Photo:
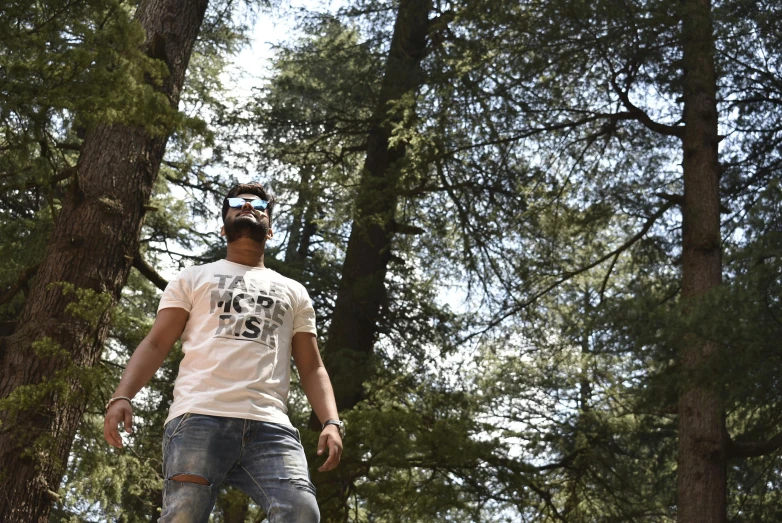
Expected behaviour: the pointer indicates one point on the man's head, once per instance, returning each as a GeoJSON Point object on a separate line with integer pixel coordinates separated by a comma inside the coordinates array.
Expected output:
{"type": "Point", "coordinates": [244, 219]}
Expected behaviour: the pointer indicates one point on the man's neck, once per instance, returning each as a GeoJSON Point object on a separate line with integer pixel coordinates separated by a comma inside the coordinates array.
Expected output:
{"type": "Point", "coordinates": [245, 251]}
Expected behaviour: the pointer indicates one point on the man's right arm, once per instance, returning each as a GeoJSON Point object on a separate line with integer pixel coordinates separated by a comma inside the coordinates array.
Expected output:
{"type": "Point", "coordinates": [145, 361]}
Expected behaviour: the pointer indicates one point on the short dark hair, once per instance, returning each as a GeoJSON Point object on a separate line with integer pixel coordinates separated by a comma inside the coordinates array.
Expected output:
{"type": "Point", "coordinates": [250, 188]}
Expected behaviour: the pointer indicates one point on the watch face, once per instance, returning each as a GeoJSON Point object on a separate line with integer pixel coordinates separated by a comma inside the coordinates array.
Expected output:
{"type": "Point", "coordinates": [340, 426]}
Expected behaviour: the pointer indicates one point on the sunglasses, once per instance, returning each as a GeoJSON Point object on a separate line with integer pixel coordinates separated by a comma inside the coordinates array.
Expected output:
{"type": "Point", "coordinates": [238, 203]}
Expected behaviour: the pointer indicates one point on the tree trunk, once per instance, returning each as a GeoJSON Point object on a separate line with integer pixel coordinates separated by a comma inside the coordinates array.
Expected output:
{"type": "Point", "coordinates": [233, 505]}
{"type": "Point", "coordinates": [702, 483]}
{"type": "Point", "coordinates": [351, 337]}
{"type": "Point", "coordinates": [43, 364]}
{"type": "Point", "coordinates": [303, 225]}
{"type": "Point", "coordinates": [361, 294]}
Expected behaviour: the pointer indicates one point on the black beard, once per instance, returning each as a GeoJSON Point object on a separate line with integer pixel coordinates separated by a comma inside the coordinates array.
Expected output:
{"type": "Point", "coordinates": [246, 228]}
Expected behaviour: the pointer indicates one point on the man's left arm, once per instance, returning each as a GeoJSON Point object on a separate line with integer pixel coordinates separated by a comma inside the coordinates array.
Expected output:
{"type": "Point", "coordinates": [317, 386]}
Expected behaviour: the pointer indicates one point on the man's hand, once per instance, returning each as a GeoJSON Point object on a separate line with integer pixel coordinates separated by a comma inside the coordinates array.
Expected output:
{"type": "Point", "coordinates": [330, 439]}
{"type": "Point", "coordinates": [119, 411]}
{"type": "Point", "coordinates": [145, 361]}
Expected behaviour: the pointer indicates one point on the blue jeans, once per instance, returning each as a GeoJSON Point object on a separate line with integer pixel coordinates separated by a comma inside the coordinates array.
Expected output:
{"type": "Point", "coordinates": [265, 460]}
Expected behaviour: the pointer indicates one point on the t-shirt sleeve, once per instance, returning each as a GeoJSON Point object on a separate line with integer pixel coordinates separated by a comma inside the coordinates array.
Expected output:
{"type": "Point", "coordinates": [178, 293]}
{"type": "Point", "coordinates": [304, 314]}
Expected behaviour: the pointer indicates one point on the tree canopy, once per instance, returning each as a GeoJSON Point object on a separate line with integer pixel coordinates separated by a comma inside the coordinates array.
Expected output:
{"type": "Point", "coordinates": [543, 241]}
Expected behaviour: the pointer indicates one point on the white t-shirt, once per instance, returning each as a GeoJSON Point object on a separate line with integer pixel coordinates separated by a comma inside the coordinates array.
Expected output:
{"type": "Point", "coordinates": [237, 340]}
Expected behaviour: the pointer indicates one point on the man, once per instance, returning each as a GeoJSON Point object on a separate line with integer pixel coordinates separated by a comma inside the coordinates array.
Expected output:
{"type": "Point", "coordinates": [239, 323]}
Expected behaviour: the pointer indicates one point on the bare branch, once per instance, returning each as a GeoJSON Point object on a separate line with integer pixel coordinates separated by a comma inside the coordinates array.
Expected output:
{"type": "Point", "coordinates": [676, 199]}
{"type": "Point", "coordinates": [206, 187]}
{"type": "Point", "coordinates": [201, 259]}
{"type": "Point", "coordinates": [148, 272]}
{"type": "Point", "coordinates": [608, 276]}
{"type": "Point", "coordinates": [754, 449]}
{"type": "Point", "coordinates": [641, 116]}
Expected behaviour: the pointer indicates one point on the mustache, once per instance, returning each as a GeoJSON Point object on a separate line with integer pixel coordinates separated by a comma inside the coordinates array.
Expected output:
{"type": "Point", "coordinates": [255, 230]}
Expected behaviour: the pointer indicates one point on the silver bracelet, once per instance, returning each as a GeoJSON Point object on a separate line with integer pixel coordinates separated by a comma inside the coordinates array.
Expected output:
{"type": "Point", "coordinates": [112, 400]}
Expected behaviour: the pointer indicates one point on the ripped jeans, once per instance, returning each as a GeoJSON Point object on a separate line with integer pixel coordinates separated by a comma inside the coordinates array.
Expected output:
{"type": "Point", "coordinates": [265, 460]}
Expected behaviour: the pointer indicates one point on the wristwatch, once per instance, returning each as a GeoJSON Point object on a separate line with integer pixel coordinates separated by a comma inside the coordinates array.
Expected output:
{"type": "Point", "coordinates": [340, 426]}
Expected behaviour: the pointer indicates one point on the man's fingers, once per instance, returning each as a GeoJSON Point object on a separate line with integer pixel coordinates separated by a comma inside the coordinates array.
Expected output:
{"type": "Point", "coordinates": [110, 432]}
{"type": "Point", "coordinates": [330, 463]}
{"type": "Point", "coordinates": [322, 444]}
{"type": "Point", "coordinates": [128, 421]}
{"type": "Point", "coordinates": [114, 428]}
{"type": "Point", "coordinates": [113, 418]}
{"type": "Point", "coordinates": [106, 435]}
{"type": "Point", "coordinates": [335, 453]}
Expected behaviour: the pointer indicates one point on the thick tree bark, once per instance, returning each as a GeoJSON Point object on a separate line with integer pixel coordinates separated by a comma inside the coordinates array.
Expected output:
{"type": "Point", "coordinates": [92, 247]}
{"type": "Point", "coordinates": [361, 294]}
{"type": "Point", "coordinates": [702, 483]}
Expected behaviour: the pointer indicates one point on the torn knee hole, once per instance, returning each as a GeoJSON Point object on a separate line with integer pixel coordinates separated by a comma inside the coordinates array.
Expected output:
{"type": "Point", "coordinates": [190, 478]}
{"type": "Point", "coordinates": [302, 484]}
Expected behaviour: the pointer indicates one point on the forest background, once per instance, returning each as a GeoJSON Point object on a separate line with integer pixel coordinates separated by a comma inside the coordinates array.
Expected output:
{"type": "Point", "coordinates": [543, 240]}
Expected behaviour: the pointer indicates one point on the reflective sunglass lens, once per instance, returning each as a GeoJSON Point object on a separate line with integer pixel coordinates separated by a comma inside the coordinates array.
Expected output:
{"type": "Point", "coordinates": [237, 203]}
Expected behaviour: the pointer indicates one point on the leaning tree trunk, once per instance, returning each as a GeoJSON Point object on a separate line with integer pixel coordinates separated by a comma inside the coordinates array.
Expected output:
{"type": "Point", "coordinates": [362, 286]}
{"type": "Point", "coordinates": [60, 334]}
{"type": "Point", "coordinates": [350, 344]}
{"type": "Point", "coordinates": [702, 483]}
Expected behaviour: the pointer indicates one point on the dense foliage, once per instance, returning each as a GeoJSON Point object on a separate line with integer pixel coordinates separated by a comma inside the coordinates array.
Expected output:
{"type": "Point", "coordinates": [525, 364]}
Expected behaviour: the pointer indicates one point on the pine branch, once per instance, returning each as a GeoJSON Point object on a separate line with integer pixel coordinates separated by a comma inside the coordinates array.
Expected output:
{"type": "Point", "coordinates": [362, 147]}
{"type": "Point", "coordinates": [754, 449]}
{"type": "Point", "coordinates": [205, 187]}
{"type": "Point", "coordinates": [565, 276]}
{"type": "Point", "coordinates": [62, 175]}
{"type": "Point", "coordinates": [534, 131]}
{"type": "Point", "coordinates": [7, 328]}
{"type": "Point", "coordinates": [149, 273]}
{"type": "Point", "coordinates": [520, 470]}
{"type": "Point", "coordinates": [11, 174]}
{"type": "Point", "coordinates": [608, 276]}
{"type": "Point", "coordinates": [401, 228]}
{"type": "Point", "coordinates": [171, 254]}
{"type": "Point", "coordinates": [24, 277]}
{"type": "Point", "coordinates": [641, 116]}
{"type": "Point", "coordinates": [68, 146]}
{"type": "Point", "coordinates": [563, 463]}
{"type": "Point", "coordinates": [678, 199]}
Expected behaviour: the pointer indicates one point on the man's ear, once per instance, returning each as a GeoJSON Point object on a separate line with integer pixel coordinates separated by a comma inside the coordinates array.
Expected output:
{"type": "Point", "coordinates": [269, 234]}
{"type": "Point", "coordinates": [222, 230]}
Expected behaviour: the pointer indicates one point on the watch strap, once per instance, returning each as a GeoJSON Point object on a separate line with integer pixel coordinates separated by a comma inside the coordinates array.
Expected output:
{"type": "Point", "coordinates": [339, 424]}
